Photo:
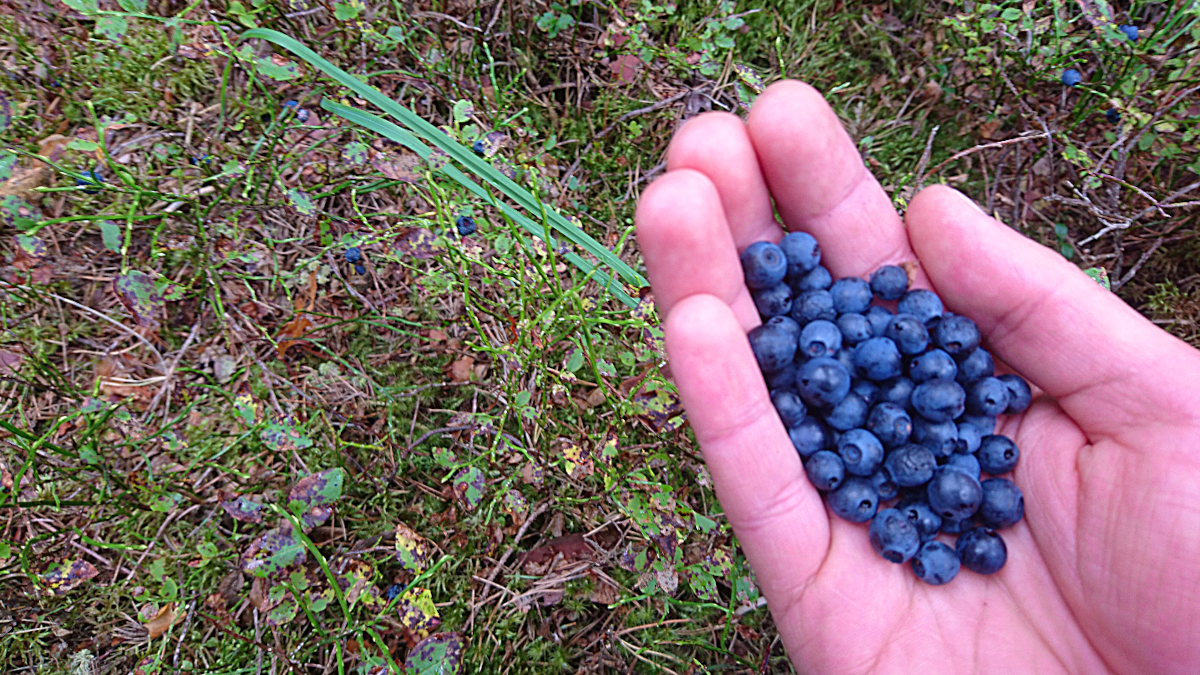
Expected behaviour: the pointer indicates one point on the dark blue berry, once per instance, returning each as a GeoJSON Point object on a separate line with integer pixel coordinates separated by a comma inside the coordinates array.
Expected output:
{"type": "Point", "coordinates": [966, 462]}
{"type": "Point", "coordinates": [813, 305]}
{"type": "Point", "coordinates": [1071, 77]}
{"type": "Point", "coordinates": [773, 345]}
{"type": "Point", "coordinates": [940, 437]}
{"type": "Point", "coordinates": [479, 148]}
{"type": "Point", "coordinates": [825, 470]}
{"type": "Point", "coordinates": [816, 279]}
{"type": "Point", "coordinates": [898, 391]}
{"type": "Point", "coordinates": [92, 179]}
{"type": "Point", "coordinates": [789, 406]}
{"type": "Point", "coordinates": [934, 364]}
{"type": "Point", "coordinates": [998, 454]}
{"type": "Point", "coordinates": [394, 591]}
{"type": "Point", "coordinates": [924, 518]}
{"type": "Point", "coordinates": [976, 366]}
{"type": "Point", "coordinates": [981, 550]}
{"type": "Point", "coordinates": [763, 264]}
{"type": "Point", "coordinates": [957, 526]}
{"type": "Point", "coordinates": [1130, 32]}
{"type": "Point", "coordinates": [1019, 394]}
{"type": "Point", "coordinates": [360, 269]}
{"type": "Point", "coordinates": [954, 494]}
{"type": "Point", "coordinates": [1002, 506]}
{"type": "Point", "coordinates": [855, 501]}
{"type": "Point", "coordinates": [988, 396]}
{"type": "Point", "coordinates": [866, 390]}
{"type": "Point", "coordinates": [850, 294]}
{"type": "Point", "coordinates": [923, 304]}
{"type": "Point", "coordinates": [466, 225]}
{"type": "Point", "coordinates": [773, 301]}
{"type": "Point", "coordinates": [893, 536]}
{"type": "Point", "coordinates": [845, 356]}
{"type": "Point", "coordinates": [854, 327]}
{"type": "Point", "coordinates": [809, 436]}
{"type": "Point", "coordinates": [890, 423]}
{"type": "Point", "coordinates": [822, 382]}
{"type": "Point", "coordinates": [909, 334]}
{"type": "Point", "coordinates": [783, 379]}
{"type": "Point", "coordinates": [935, 563]}
{"type": "Point", "coordinates": [786, 324]}
{"type": "Point", "coordinates": [353, 255]}
{"type": "Point", "coordinates": [884, 485]}
{"type": "Point", "coordinates": [986, 424]}
{"type": "Point", "coordinates": [802, 251]}
{"type": "Point", "coordinates": [877, 359]}
{"type": "Point", "coordinates": [939, 400]}
{"type": "Point", "coordinates": [820, 338]}
{"type": "Point", "coordinates": [957, 335]}
{"type": "Point", "coordinates": [1113, 116]}
{"type": "Point", "coordinates": [969, 437]}
{"type": "Point", "coordinates": [849, 413]}
{"type": "Point", "coordinates": [889, 282]}
{"type": "Point", "coordinates": [910, 465]}
{"type": "Point", "coordinates": [860, 451]}
{"type": "Point", "coordinates": [879, 318]}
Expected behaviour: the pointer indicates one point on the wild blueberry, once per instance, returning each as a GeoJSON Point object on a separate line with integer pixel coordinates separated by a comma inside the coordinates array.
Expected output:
{"type": "Point", "coordinates": [923, 304]}
{"type": "Point", "coordinates": [1002, 505]}
{"type": "Point", "coordinates": [909, 334]}
{"type": "Point", "coordinates": [822, 382]}
{"type": "Point", "coordinates": [360, 269]}
{"type": "Point", "coordinates": [957, 526]}
{"type": "Point", "coordinates": [353, 255]}
{"type": "Point", "coordinates": [877, 359]}
{"type": "Point", "coordinates": [910, 465]}
{"type": "Point", "coordinates": [813, 305]}
{"type": "Point", "coordinates": [1113, 116]}
{"type": "Point", "coordinates": [802, 251]}
{"type": "Point", "coordinates": [773, 301]}
{"type": "Point", "coordinates": [893, 536]}
{"type": "Point", "coordinates": [789, 406]}
{"type": "Point", "coordinates": [981, 550]}
{"type": "Point", "coordinates": [478, 148]}
{"type": "Point", "coordinates": [940, 437]}
{"type": "Point", "coordinates": [924, 518]}
{"type": "Point", "coordinates": [889, 282]}
{"type": "Point", "coordinates": [890, 424]}
{"type": "Point", "coordinates": [1130, 32]}
{"type": "Point", "coordinates": [957, 334]}
{"type": "Point", "coordinates": [884, 485]}
{"type": "Point", "coordinates": [465, 225]}
{"type": "Point", "coordinates": [1071, 77]}
{"type": "Point", "coordinates": [850, 294]}
{"type": "Point", "coordinates": [394, 591]}
{"type": "Point", "coordinates": [867, 390]}
{"type": "Point", "coordinates": [954, 493]}
{"type": "Point", "coordinates": [969, 437]}
{"type": "Point", "coordinates": [998, 454]}
{"type": "Point", "coordinates": [825, 470]}
{"type": "Point", "coordinates": [855, 501]}
{"type": "Point", "coordinates": [92, 179]}
{"type": "Point", "coordinates": [816, 279]}
{"type": "Point", "coordinates": [879, 318]}
{"type": "Point", "coordinates": [935, 563]}
{"type": "Point", "coordinates": [820, 338]}
{"type": "Point", "coordinates": [860, 451]}
{"type": "Point", "coordinates": [966, 462]}
{"type": "Point", "coordinates": [808, 437]}
{"type": "Point", "coordinates": [1019, 394]}
{"type": "Point", "coordinates": [845, 356]}
{"type": "Point", "coordinates": [934, 364]}
{"type": "Point", "coordinates": [854, 327]}
{"type": "Point", "coordinates": [773, 345]}
{"type": "Point", "coordinates": [783, 379]}
{"type": "Point", "coordinates": [849, 413]}
{"type": "Point", "coordinates": [897, 390]}
{"type": "Point", "coordinates": [988, 396]}
{"type": "Point", "coordinates": [763, 264]}
{"type": "Point", "coordinates": [986, 424]}
{"type": "Point", "coordinates": [976, 366]}
{"type": "Point", "coordinates": [785, 323]}
{"type": "Point", "coordinates": [939, 400]}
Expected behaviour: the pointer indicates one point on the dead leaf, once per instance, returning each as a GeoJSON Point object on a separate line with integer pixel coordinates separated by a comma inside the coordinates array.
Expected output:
{"type": "Point", "coordinates": [402, 166]}
{"type": "Point", "coordinates": [167, 616]}
{"type": "Point", "coordinates": [603, 593]}
{"type": "Point", "coordinates": [990, 129]}
{"type": "Point", "coordinates": [572, 548]}
{"type": "Point", "coordinates": [625, 68]}
{"type": "Point", "coordinates": [461, 369]}
{"type": "Point", "coordinates": [10, 362]}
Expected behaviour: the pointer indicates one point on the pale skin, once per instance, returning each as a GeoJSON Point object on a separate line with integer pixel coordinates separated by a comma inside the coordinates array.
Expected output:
{"type": "Point", "coordinates": [1103, 574]}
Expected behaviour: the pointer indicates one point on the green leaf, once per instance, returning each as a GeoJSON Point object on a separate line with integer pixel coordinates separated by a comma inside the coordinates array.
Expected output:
{"type": "Point", "coordinates": [704, 586]}
{"type": "Point", "coordinates": [1011, 14]}
{"type": "Point", "coordinates": [112, 27]}
{"type": "Point", "coordinates": [6, 116]}
{"type": "Point", "coordinates": [301, 202]}
{"type": "Point", "coordinates": [83, 146]}
{"type": "Point", "coordinates": [84, 6]}
{"type": "Point", "coordinates": [5, 550]}
{"type": "Point", "coordinates": [110, 233]}
{"type": "Point", "coordinates": [273, 552]}
{"type": "Point", "coordinates": [1100, 276]}
{"type": "Point", "coordinates": [17, 213]}
{"type": "Point", "coordinates": [575, 362]}
{"type": "Point", "coordinates": [468, 486]}
{"type": "Point", "coordinates": [137, 291]}
{"type": "Point", "coordinates": [439, 654]}
{"type": "Point", "coordinates": [132, 5]}
{"type": "Point", "coordinates": [277, 68]}
{"type": "Point", "coordinates": [463, 111]}
{"type": "Point", "coordinates": [285, 438]}
{"type": "Point", "coordinates": [8, 160]}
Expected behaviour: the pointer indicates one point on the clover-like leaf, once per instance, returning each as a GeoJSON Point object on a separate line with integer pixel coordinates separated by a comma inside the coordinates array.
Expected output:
{"type": "Point", "coordinates": [417, 612]}
{"type": "Point", "coordinates": [138, 293]}
{"type": "Point", "coordinates": [440, 654]}
{"type": "Point", "coordinates": [283, 437]}
{"type": "Point", "coordinates": [418, 242]}
{"type": "Point", "coordinates": [356, 153]}
{"type": "Point", "coordinates": [64, 577]}
{"type": "Point", "coordinates": [300, 201]}
{"type": "Point", "coordinates": [469, 485]}
{"type": "Point", "coordinates": [243, 509]}
{"type": "Point", "coordinates": [17, 213]}
{"type": "Point", "coordinates": [273, 552]}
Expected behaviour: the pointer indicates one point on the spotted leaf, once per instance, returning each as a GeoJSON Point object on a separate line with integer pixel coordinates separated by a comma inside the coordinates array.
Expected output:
{"type": "Point", "coordinates": [67, 576]}
{"type": "Point", "coordinates": [463, 109]}
{"type": "Point", "coordinates": [243, 509]}
{"type": "Point", "coordinates": [300, 201]}
{"type": "Point", "coordinates": [6, 112]}
{"type": "Point", "coordinates": [576, 460]}
{"type": "Point", "coordinates": [17, 213]}
{"type": "Point", "coordinates": [30, 247]}
{"type": "Point", "coordinates": [417, 612]}
{"type": "Point", "coordinates": [703, 585]}
{"type": "Point", "coordinates": [283, 437]}
{"type": "Point", "coordinates": [112, 27]}
{"type": "Point", "coordinates": [610, 447]}
{"type": "Point", "coordinates": [277, 67]}
{"type": "Point", "coordinates": [490, 144]}
{"type": "Point", "coordinates": [412, 550]}
{"type": "Point", "coordinates": [284, 611]}
{"type": "Point", "coordinates": [318, 489]}
{"type": "Point", "coordinates": [137, 291]}
{"type": "Point", "coordinates": [8, 160]}
{"type": "Point", "coordinates": [752, 79]}
{"type": "Point", "coordinates": [356, 153]}
{"type": "Point", "coordinates": [437, 159]}
{"type": "Point", "coordinates": [645, 306]}
{"type": "Point", "coordinates": [469, 486]}
{"type": "Point", "coordinates": [353, 576]}
{"type": "Point", "coordinates": [246, 405]}
{"type": "Point", "coordinates": [1100, 276]}
{"type": "Point", "coordinates": [657, 406]}
{"type": "Point", "coordinates": [418, 242]}
{"type": "Point", "coordinates": [717, 563]}
{"type": "Point", "coordinates": [273, 552]}
{"type": "Point", "coordinates": [516, 505]}
{"type": "Point", "coordinates": [440, 654]}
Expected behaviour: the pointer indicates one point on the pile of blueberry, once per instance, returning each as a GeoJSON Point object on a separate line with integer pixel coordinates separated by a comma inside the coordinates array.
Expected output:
{"type": "Point", "coordinates": [888, 406]}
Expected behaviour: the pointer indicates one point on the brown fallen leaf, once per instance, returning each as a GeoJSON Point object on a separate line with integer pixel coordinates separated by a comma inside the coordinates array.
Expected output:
{"type": "Point", "coordinates": [167, 616]}
{"type": "Point", "coordinates": [461, 369]}
{"type": "Point", "coordinates": [625, 68]}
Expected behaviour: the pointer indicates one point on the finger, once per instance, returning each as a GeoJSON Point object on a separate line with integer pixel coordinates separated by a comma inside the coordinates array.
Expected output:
{"type": "Point", "coordinates": [777, 515]}
{"type": "Point", "coordinates": [1110, 368]}
{"type": "Point", "coordinates": [717, 145]}
{"type": "Point", "coordinates": [820, 184]}
{"type": "Point", "coordinates": [688, 247]}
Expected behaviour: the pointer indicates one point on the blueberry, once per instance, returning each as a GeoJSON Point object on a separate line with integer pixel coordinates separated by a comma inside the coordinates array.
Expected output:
{"type": "Point", "coordinates": [816, 279]}
{"type": "Point", "coordinates": [808, 437]}
{"type": "Point", "coordinates": [909, 334]}
{"type": "Point", "coordinates": [394, 591]}
{"type": "Point", "coordinates": [935, 563]}
{"type": "Point", "coordinates": [1002, 506]}
{"type": "Point", "coordinates": [763, 264]}
{"type": "Point", "coordinates": [353, 255]}
{"type": "Point", "coordinates": [360, 269]}
{"type": "Point", "coordinates": [893, 536]}
{"type": "Point", "coordinates": [897, 390]}
{"type": "Point", "coordinates": [924, 518]}
{"type": "Point", "coordinates": [773, 301]}
{"type": "Point", "coordinates": [1019, 395]}
{"type": "Point", "coordinates": [889, 282]}
{"type": "Point", "coordinates": [815, 305]}
{"type": "Point", "coordinates": [969, 437]}
{"type": "Point", "coordinates": [478, 148]}
{"type": "Point", "coordinates": [1071, 77]}
{"type": "Point", "coordinates": [877, 359]}
{"type": "Point", "coordinates": [773, 345]}
{"type": "Point", "coordinates": [845, 356]}
{"type": "Point", "coordinates": [822, 382]}
{"type": "Point", "coordinates": [939, 400]}
{"type": "Point", "coordinates": [789, 406]}
{"type": "Point", "coordinates": [849, 413]}
{"type": "Point", "coordinates": [802, 251]}
{"type": "Point", "coordinates": [976, 366]}
{"type": "Point", "coordinates": [783, 379]}
{"type": "Point", "coordinates": [890, 424]}
{"type": "Point", "coordinates": [923, 304]}
{"type": "Point", "coordinates": [998, 454]}
{"type": "Point", "coordinates": [981, 550]}
{"type": "Point", "coordinates": [465, 225]}
{"type": "Point", "coordinates": [860, 451]}
{"type": "Point", "coordinates": [965, 462]}
{"type": "Point", "coordinates": [879, 318]}
{"type": "Point", "coordinates": [954, 493]}
{"type": "Point", "coordinates": [92, 179]}
{"type": "Point", "coordinates": [940, 437]}
{"type": "Point", "coordinates": [1130, 32]}
{"type": "Point", "coordinates": [825, 470]}
{"type": "Point", "coordinates": [855, 328]}
{"type": "Point", "coordinates": [850, 294]}
{"type": "Point", "coordinates": [867, 390]}
{"type": "Point", "coordinates": [855, 501]}
{"type": "Point", "coordinates": [988, 396]}
{"type": "Point", "coordinates": [986, 424]}
{"type": "Point", "coordinates": [884, 485]}
{"type": "Point", "coordinates": [957, 526]}
{"type": "Point", "coordinates": [820, 338]}
{"type": "Point", "coordinates": [785, 323]}
{"type": "Point", "coordinates": [910, 465]}
{"type": "Point", "coordinates": [1113, 116]}
{"type": "Point", "coordinates": [934, 364]}
{"type": "Point", "coordinates": [957, 335]}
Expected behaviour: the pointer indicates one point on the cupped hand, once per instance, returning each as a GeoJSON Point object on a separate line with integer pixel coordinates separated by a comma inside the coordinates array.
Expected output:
{"type": "Point", "coordinates": [1103, 574]}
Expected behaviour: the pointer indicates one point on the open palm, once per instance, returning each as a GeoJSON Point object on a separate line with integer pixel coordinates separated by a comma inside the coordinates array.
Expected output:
{"type": "Point", "coordinates": [1104, 572]}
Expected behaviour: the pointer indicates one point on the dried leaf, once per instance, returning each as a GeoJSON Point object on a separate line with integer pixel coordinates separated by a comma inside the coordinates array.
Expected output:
{"type": "Point", "coordinates": [353, 576]}
{"type": "Point", "coordinates": [576, 460]}
{"type": "Point", "coordinates": [318, 489]}
{"type": "Point", "coordinates": [668, 579]}
{"type": "Point", "coordinates": [30, 251]}
{"type": "Point", "coordinates": [625, 68]}
{"type": "Point", "coordinates": [10, 362]}
{"type": "Point", "coordinates": [140, 296]}
{"type": "Point", "coordinates": [439, 654]}
{"type": "Point", "coordinates": [67, 576]}
{"type": "Point", "coordinates": [243, 510]}
{"type": "Point", "coordinates": [532, 473]}
{"type": "Point", "coordinates": [273, 552]}
{"type": "Point", "coordinates": [603, 593]}
{"type": "Point", "coordinates": [461, 369]}
{"type": "Point", "coordinates": [167, 616]}
{"type": "Point", "coordinates": [417, 612]}
{"type": "Point", "coordinates": [418, 242]}
{"type": "Point", "coordinates": [403, 166]}
{"type": "Point", "coordinates": [412, 550]}
{"type": "Point", "coordinates": [291, 334]}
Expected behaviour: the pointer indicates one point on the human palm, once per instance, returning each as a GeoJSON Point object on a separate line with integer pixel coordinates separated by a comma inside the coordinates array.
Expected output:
{"type": "Point", "coordinates": [1103, 575]}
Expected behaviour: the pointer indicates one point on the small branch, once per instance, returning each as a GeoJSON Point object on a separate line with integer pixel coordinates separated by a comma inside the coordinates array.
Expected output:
{"type": "Point", "coordinates": [920, 182]}
{"type": "Point", "coordinates": [986, 146]}
{"type": "Point", "coordinates": [1138, 265]}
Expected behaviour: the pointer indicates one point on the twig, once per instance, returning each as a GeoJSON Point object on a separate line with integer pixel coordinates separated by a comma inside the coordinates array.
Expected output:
{"type": "Point", "coordinates": [986, 146]}
{"type": "Point", "coordinates": [920, 182]}
{"type": "Point", "coordinates": [421, 439]}
{"type": "Point", "coordinates": [171, 371]}
{"type": "Point", "coordinates": [187, 624]}
{"type": "Point", "coordinates": [1138, 265]}
{"type": "Point", "coordinates": [504, 558]}
{"type": "Point", "coordinates": [446, 17]}
{"type": "Point", "coordinates": [629, 115]}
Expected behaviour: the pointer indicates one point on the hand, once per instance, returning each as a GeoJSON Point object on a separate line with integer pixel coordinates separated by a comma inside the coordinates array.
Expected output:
{"type": "Point", "coordinates": [1104, 572]}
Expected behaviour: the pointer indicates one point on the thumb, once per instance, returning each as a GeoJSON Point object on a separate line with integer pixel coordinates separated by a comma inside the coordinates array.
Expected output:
{"type": "Point", "coordinates": [1109, 367]}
